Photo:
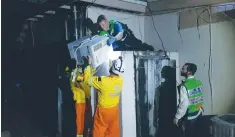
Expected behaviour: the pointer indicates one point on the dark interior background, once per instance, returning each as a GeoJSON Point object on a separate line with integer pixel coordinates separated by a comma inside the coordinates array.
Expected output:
{"type": "Point", "coordinates": [31, 70]}
{"type": "Point", "coordinates": [35, 65]}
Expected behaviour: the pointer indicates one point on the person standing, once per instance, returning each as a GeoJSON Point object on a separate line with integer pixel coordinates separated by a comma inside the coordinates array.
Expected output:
{"type": "Point", "coordinates": [68, 105]}
{"type": "Point", "coordinates": [88, 113]}
{"type": "Point", "coordinates": [190, 101]}
{"type": "Point", "coordinates": [106, 118]}
{"type": "Point", "coordinates": [79, 98]}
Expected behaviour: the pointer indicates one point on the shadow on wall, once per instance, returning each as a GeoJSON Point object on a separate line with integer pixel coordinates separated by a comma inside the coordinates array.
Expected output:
{"type": "Point", "coordinates": [167, 104]}
{"type": "Point", "coordinates": [128, 42]}
{"type": "Point", "coordinates": [232, 108]}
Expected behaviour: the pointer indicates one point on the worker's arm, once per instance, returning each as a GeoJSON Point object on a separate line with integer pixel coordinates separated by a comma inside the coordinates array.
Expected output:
{"type": "Point", "coordinates": [183, 104]}
{"type": "Point", "coordinates": [118, 28]}
{"type": "Point", "coordinates": [119, 36]}
{"type": "Point", "coordinates": [91, 80]}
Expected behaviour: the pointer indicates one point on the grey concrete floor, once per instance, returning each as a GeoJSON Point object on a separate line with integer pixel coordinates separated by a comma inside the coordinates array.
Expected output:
{"type": "Point", "coordinates": [18, 122]}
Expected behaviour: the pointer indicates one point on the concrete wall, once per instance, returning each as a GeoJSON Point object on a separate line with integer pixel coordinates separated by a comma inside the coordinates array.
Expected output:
{"type": "Point", "coordinates": [223, 67]}
{"type": "Point", "coordinates": [128, 5]}
{"type": "Point", "coordinates": [193, 49]}
{"type": "Point", "coordinates": [166, 5]}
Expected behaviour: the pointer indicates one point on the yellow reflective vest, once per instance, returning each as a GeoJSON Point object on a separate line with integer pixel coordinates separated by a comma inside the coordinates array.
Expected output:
{"type": "Point", "coordinates": [109, 87]}
{"type": "Point", "coordinates": [78, 93]}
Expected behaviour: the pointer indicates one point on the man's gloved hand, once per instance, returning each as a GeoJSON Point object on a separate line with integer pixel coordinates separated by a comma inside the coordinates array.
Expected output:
{"type": "Point", "coordinates": [175, 121]}
{"type": "Point", "coordinates": [111, 40]}
{"type": "Point", "coordinates": [79, 78]}
{"type": "Point", "coordinates": [86, 60]}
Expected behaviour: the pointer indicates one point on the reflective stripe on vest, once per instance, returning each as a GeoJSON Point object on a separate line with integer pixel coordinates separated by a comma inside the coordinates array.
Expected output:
{"type": "Point", "coordinates": [195, 96]}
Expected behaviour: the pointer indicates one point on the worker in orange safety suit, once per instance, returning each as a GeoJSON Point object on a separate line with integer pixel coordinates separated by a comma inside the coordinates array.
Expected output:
{"type": "Point", "coordinates": [106, 118]}
{"type": "Point", "coordinates": [88, 115]}
{"type": "Point", "coordinates": [79, 98]}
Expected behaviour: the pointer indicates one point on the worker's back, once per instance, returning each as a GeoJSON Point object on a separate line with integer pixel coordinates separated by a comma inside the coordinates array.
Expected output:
{"type": "Point", "coordinates": [110, 91]}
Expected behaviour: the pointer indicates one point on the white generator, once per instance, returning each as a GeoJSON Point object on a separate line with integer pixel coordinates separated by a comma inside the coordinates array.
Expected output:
{"type": "Point", "coordinates": [95, 47]}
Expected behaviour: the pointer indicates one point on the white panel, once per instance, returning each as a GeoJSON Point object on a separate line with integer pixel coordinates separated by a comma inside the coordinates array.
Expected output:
{"type": "Point", "coordinates": [128, 98]}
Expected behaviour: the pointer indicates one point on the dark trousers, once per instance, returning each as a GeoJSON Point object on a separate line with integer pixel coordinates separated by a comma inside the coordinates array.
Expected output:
{"type": "Point", "coordinates": [131, 43]}
{"type": "Point", "coordinates": [88, 118]}
{"type": "Point", "coordinates": [167, 129]}
{"type": "Point", "coordinates": [68, 109]}
{"type": "Point", "coordinates": [192, 127]}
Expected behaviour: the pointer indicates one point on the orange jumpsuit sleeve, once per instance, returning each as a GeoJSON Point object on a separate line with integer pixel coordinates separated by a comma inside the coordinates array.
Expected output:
{"type": "Point", "coordinates": [93, 81]}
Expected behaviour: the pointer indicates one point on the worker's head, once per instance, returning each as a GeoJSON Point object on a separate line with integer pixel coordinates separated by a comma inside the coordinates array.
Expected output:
{"type": "Point", "coordinates": [167, 72]}
{"type": "Point", "coordinates": [117, 67]}
{"type": "Point", "coordinates": [189, 69]}
{"type": "Point", "coordinates": [103, 22]}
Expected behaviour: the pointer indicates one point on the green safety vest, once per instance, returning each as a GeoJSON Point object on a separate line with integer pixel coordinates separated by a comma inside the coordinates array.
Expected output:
{"type": "Point", "coordinates": [195, 96]}
{"type": "Point", "coordinates": [111, 29]}
{"type": "Point", "coordinates": [104, 33]}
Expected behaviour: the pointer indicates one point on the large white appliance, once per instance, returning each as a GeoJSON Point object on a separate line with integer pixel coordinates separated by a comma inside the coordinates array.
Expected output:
{"type": "Point", "coordinates": [101, 55]}
{"type": "Point", "coordinates": [95, 47]}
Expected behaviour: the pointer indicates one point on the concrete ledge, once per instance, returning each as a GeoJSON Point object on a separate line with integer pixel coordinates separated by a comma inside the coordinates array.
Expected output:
{"type": "Point", "coordinates": [123, 5]}
{"type": "Point", "coordinates": [168, 5]}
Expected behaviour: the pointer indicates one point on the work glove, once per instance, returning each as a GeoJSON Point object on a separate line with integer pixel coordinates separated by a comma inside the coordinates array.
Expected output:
{"type": "Point", "coordinates": [111, 40]}
{"type": "Point", "coordinates": [86, 60]}
{"type": "Point", "coordinates": [79, 69]}
{"type": "Point", "coordinates": [175, 121]}
{"type": "Point", "coordinates": [79, 78]}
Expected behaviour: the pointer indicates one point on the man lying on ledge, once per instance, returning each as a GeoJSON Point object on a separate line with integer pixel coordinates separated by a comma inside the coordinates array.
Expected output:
{"type": "Point", "coordinates": [120, 36]}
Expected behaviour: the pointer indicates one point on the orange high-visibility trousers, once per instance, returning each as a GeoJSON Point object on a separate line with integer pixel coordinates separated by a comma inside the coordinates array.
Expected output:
{"type": "Point", "coordinates": [80, 117]}
{"type": "Point", "coordinates": [106, 122]}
